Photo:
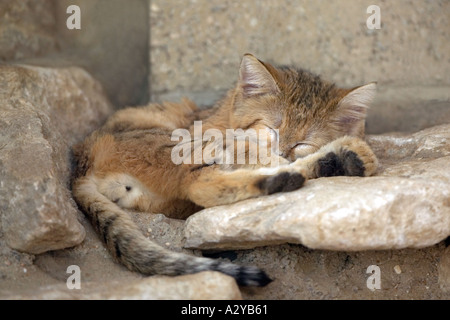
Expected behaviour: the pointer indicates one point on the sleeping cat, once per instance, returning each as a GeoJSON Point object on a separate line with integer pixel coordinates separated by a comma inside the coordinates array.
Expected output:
{"type": "Point", "coordinates": [127, 164]}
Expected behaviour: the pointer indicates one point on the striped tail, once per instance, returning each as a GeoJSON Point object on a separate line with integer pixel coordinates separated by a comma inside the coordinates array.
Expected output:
{"type": "Point", "coordinates": [130, 247]}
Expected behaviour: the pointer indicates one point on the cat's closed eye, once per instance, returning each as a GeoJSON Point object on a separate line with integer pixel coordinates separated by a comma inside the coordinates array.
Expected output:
{"type": "Point", "coordinates": [303, 149]}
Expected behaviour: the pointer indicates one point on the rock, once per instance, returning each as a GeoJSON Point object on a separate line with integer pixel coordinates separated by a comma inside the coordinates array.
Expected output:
{"type": "Point", "coordinates": [43, 112]}
{"type": "Point", "coordinates": [407, 204]}
{"type": "Point", "coordinates": [201, 286]}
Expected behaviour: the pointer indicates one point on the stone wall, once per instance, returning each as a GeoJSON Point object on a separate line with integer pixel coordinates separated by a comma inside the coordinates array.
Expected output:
{"type": "Point", "coordinates": [112, 43]}
{"type": "Point", "coordinates": [27, 29]}
{"type": "Point", "coordinates": [196, 47]}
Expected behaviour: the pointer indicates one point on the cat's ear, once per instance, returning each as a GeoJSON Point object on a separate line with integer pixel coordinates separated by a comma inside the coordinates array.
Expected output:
{"type": "Point", "coordinates": [256, 78]}
{"type": "Point", "coordinates": [351, 112]}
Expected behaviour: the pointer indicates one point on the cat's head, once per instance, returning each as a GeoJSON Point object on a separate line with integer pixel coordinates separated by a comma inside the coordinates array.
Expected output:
{"type": "Point", "coordinates": [307, 111]}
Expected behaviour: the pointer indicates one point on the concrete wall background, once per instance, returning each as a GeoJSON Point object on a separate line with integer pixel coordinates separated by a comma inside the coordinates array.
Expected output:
{"type": "Point", "coordinates": [112, 44]}
{"type": "Point", "coordinates": [196, 47]}
{"type": "Point", "coordinates": [27, 29]}
{"type": "Point", "coordinates": [205, 39]}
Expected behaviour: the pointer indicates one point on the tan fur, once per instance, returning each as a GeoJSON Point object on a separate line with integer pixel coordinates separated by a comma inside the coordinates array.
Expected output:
{"type": "Point", "coordinates": [127, 163]}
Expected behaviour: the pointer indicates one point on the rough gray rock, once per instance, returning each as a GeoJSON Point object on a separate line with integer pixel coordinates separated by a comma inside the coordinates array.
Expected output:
{"type": "Point", "coordinates": [43, 112]}
{"type": "Point", "coordinates": [200, 286]}
{"type": "Point", "coordinates": [405, 205]}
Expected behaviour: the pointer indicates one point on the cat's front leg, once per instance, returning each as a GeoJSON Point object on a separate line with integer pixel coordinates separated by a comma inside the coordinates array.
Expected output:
{"type": "Point", "coordinates": [346, 156]}
{"type": "Point", "coordinates": [214, 186]}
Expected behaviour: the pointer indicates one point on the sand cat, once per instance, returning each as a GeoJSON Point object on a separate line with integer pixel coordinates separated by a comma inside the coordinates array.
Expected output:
{"type": "Point", "coordinates": [129, 162]}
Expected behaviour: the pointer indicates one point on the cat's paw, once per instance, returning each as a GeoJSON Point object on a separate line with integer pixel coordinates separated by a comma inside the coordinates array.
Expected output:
{"type": "Point", "coordinates": [346, 163]}
{"type": "Point", "coordinates": [347, 156]}
{"type": "Point", "coordinates": [281, 182]}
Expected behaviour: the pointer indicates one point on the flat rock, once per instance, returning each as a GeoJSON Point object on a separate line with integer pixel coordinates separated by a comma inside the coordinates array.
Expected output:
{"type": "Point", "coordinates": [406, 204]}
{"type": "Point", "coordinates": [200, 286]}
{"type": "Point", "coordinates": [43, 112]}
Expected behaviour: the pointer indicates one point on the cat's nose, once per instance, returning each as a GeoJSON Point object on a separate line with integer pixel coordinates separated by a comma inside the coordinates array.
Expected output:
{"type": "Point", "coordinates": [282, 153]}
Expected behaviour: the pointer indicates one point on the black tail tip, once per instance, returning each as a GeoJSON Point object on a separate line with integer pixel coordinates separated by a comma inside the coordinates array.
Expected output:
{"type": "Point", "coordinates": [252, 276]}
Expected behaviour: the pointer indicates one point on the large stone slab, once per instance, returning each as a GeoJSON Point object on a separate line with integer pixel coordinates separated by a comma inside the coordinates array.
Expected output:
{"type": "Point", "coordinates": [200, 286]}
{"type": "Point", "coordinates": [43, 112]}
{"type": "Point", "coordinates": [407, 204]}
